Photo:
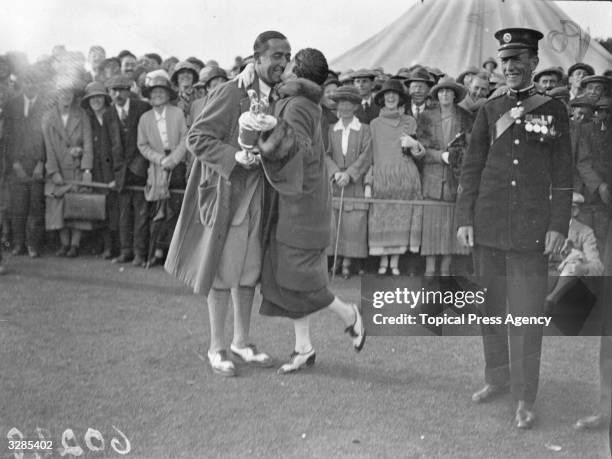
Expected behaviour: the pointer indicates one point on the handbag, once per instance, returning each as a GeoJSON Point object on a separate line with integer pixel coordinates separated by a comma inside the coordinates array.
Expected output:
{"type": "Point", "coordinates": [84, 206]}
{"type": "Point", "coordinates": [572, 310]}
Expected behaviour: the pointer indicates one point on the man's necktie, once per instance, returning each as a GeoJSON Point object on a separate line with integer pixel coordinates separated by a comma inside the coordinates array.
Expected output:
{"type": "Point", "coordinates": [123, 115]}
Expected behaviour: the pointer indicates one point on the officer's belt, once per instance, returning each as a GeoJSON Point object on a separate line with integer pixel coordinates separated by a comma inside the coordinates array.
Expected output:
{"type": "Point", "coordinates": [507, 120]}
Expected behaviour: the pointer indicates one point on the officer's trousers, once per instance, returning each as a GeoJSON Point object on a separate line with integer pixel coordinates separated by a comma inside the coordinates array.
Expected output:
{"type": "Point", "coordinates": [516, 284]}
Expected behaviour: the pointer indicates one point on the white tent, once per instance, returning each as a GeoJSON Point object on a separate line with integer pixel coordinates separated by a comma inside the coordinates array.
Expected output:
{"type": "Point", "coordinates": [454, 34]}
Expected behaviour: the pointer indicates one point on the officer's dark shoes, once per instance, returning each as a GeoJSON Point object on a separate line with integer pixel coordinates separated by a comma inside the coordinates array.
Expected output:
{"type": "Point", "coordinates": [525, 417]}
{"type": "Point", "coordinates": [489, 392]}
{"type": "Point", "coordinates": [593, 422]}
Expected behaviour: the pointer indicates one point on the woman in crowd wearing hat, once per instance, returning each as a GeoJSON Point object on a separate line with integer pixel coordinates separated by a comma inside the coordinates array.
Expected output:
{"type": "Point", "coordinates": [185, 75]}
{"type": "Point", "coordinates": [161, 140]}
{"type": "Point", "coordinates": [393, 228]}
{"type": "Point", "coordinates": [95, 102]}
{"type": "Point", "coordinates": [349, 157]}
{"type": "Point", "coordinates": [69, 157]}
{"type": "Point", "coordinates": [444, 132]}
{"type": "Point", "coordinates": [210, 78]}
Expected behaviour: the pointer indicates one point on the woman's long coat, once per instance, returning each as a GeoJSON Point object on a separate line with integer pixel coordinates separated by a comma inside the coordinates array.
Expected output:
{"type": "Point", "coordinates": [58, 141]}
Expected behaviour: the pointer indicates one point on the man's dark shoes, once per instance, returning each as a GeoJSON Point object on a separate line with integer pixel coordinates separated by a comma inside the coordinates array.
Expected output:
{"type": "Point", "coordinates": [525, 417]}
{"type": "Point", "coordinates": [62, 251]}
{"type": "Point", "coordinates": [33, 253]}
{"type": "Point", "coordinates": [489, 392]}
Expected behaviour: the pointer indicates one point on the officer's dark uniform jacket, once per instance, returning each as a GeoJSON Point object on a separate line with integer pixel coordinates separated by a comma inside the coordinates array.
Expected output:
{"type": "Point", "coordinates": [515, 188]}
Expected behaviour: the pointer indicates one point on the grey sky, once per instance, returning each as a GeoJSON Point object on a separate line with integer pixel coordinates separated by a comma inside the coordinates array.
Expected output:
{"type": "Point", "coordinates": [216, 29]}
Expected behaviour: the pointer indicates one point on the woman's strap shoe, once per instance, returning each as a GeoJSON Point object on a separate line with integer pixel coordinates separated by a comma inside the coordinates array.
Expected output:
{"type": "Point", "coordinates": [250, 354]}
{"type": "Point", "coordinates": [357, 330]}
{"type": "Point", "coordinates": [297, 361]}
{"type": "Point", "coordinates": [220, 364]}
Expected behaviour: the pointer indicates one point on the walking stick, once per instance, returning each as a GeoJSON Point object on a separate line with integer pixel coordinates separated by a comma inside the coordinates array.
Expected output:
{"type": "Point", "coordinates": [338, 233]}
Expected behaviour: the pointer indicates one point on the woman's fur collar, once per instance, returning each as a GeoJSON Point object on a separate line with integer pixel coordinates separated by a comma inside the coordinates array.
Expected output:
{"type": "Point", "coordinates": [301, 87]}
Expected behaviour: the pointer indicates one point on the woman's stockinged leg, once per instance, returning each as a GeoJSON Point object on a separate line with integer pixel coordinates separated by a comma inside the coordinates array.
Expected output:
{"type": "Point", "coordinates": [352, 319]}
{"type": "Point", "coordinates": [64, 235]}
{"type": "Point", "coordinates": [302, 335]}
{"type": "Point", "coordinates": [75, 239]}
{"type": "Point", "coordinates": [344, 310]}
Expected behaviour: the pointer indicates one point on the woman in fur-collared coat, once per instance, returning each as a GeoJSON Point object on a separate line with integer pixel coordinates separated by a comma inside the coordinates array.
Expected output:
{"type": "Point", "coordinates": [294, 282]}
{"type": "Point", "coordinates": [69, 150]}
{"type": "Point", "coordinates": [444, 132]}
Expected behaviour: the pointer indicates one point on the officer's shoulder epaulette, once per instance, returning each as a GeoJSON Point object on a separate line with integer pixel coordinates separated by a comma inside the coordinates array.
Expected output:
{"type": "Point", "coordinates": [499, 92]}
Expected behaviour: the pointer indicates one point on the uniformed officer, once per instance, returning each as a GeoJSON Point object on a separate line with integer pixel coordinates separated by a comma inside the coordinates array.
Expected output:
{"type": "Point", "coordinates": [514, 207]}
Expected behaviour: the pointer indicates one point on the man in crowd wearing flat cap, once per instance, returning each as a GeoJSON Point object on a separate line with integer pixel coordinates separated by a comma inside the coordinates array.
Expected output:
{"type": "Point", "coordinates": [548, 79]}
{"type": "Point", "coordinates": [514, 208]}
{"type": "Point", "coordinates": [594, 165]}
{"type": "Point", "coordinates": [575, 74]}
{"type": "Point", "coordinates": [363, 80]}
{"type": "Point", "coordinates": [216, 246]}
{"type": "Point", "coordinates": [595, 87]}
{"type": "Point", "coordinates": [121, 122]}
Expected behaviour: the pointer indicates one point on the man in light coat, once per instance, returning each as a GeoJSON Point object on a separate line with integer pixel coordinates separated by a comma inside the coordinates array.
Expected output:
{"type": "Point", "coordinates": [216, 247]}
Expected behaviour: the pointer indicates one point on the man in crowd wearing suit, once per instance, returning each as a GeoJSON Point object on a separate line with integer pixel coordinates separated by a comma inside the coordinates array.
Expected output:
{"type": "Point", "coordinates": [418, 83]}
{"type": "Point", "coordinates": [513, 208]}
{"type": "Point", "coordinates": [363, 80]}
{"type": "Point", "coordinates": [216, 246]}
{"type": "Point", "coordinates": [26, 154]}
{"type": "Point", "coordinates": [477, 94]}
{"type": "Point", "coordinates": [121, 122]}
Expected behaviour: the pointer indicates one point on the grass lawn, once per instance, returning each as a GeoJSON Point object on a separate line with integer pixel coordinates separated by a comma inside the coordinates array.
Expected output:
{"type": "Point", "coordinates": [84, 344]}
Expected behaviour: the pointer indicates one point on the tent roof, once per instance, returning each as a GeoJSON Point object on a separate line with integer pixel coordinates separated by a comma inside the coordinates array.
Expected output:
{"type": "Point", "coordinates": [453, 35]}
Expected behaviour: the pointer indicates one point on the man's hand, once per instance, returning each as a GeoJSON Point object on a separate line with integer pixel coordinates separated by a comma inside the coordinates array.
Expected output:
{"type": "Point", "coordinates": [19, 172]}
{"type": "Point", "coordinates": [604, 193]}
{"type": "Point", "coordinates": [342, 179]}
{"type": "Point", "coordinates": [57, 179]}
{"type": "Point", "coordinates": [554, 243]}
{"type": "Point", "coordinates": [87, 178]}
{"type": "Point", "coordinates": [113, 185]}
{"type": "Point", "coordinates": [367, 192]}
{"type": "Point", "coordinates": [246, 159]}
{"type": "Point", "coordinates": [37, 173]}
{"type": "Point", "coordinates": [445, 155]}
{"type": "Point", "coordinates": [246, 77]}
{"type": "Point", "coordinates": [465, 236]}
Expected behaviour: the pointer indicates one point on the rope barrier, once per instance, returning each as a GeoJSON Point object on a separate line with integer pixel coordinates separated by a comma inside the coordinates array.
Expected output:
{"type": "Point", "coordinates": [336, 200]}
